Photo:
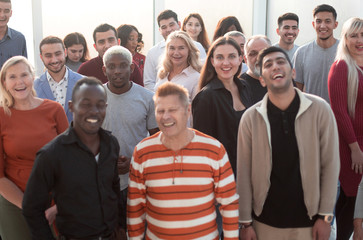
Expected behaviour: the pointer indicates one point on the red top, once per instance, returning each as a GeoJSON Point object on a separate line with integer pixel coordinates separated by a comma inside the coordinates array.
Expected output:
{"type": "Point", "coordinates": [139, 59]}
{"type": "Point", "coordinates": [23, 133]}
{"type": "Point", "coordinates": [350, 129]}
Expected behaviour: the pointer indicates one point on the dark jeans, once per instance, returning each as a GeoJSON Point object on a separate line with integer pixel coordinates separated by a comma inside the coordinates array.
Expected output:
{"type": "Point", "coordinates": [344, 210]}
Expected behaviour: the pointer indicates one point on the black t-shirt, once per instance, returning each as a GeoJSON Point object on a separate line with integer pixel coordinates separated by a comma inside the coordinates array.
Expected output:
{"type": "Point", "coordinates": [257, 91]}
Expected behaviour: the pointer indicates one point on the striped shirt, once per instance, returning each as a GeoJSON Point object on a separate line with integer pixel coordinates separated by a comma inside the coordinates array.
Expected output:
{"type": "Point", "coordinates": [176, 192]}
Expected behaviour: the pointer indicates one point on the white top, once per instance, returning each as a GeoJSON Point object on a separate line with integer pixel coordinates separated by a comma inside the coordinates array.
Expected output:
{"type": "Point", "coordinates": [59, 89]}
{"type": "Point", "coordinates": [153, 62]}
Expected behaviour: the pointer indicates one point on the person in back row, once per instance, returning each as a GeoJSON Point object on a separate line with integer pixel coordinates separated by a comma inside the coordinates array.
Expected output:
{"type": "Point", "coordinates": [168, 23]}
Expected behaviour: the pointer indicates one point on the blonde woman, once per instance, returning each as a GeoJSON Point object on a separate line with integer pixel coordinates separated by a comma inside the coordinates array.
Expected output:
{"type": "Point", "coordinates": [180, 63]}
{"type": "Point", "coordinates": [27, 123]}
{"type": "Point", "coordinates": [345, 84]}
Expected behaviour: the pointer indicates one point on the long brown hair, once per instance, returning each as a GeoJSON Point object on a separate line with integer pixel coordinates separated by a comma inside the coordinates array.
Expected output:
{"type": "Point", "coordinates": [203, 36]}
{"type": "Point", "coordinates": [208, 72]}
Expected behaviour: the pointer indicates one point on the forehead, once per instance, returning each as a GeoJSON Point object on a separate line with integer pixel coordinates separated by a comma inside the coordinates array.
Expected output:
{"type": "Point", "coordinates": [177, 41]}
{"type": "Point", "coordinates": [5, 5]}
{"type": "Point", "coordinates": [168, 101]}
{"type": "Point", "coordinates": [193, 20]}
{"type": "Point", "coordinates": [225, 49]}
{"type": "Point", "coordinates": [273, 56]}
{"type": "Point", "coordinates": [257, 44]}
{"type": "Point", "coordinates": [19, 66]}
{"type": "Point", "coordinates": [238, 39]}
{"type": "Point", "coordinates": [166, 21]}
{"type": "Point", "coordinates": [76, 47]}
{"type": "Point", "coordinates": [289, 22]}
{"type": "Point", "coordinates": [324, 15]}
{"type": "Point", "coordinates": [116, 59]}
{"type": "Point", "coordinates": [52, 47]}
{"type": "Point", "coordinates": [104, 35]}
{"type": "Point", "coordinates": [90, 92]}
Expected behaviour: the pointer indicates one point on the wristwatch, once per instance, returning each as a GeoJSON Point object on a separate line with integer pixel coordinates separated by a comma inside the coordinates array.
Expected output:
{"type": "Point", "coordinates": [326, 218]}
{"type": "Point", "coordinates": [243, 226]}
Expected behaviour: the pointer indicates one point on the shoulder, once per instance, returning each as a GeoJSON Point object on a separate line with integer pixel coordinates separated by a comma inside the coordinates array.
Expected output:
{"type": "Point", "coordinates": [16, 34]}
{"type": "Point", "coordinates": [74, 76]}
{"type": "Point", "coordinates": [51, 106]}
{"type": "Point", "coordinates": [148, 143]}
{"type": "Point", "coordinates": [40, 79]}
{"type": "Point", "coordinates": [304, 48]}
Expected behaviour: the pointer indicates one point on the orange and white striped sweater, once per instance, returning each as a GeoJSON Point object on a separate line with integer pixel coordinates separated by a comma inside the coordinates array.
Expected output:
{"type": "Point", "coordinates": [176, 192]}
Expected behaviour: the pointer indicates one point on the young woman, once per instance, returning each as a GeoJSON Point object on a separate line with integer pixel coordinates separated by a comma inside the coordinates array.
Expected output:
{"type": "Point", "coordinates": [223, 98]}
{"type": "Point", "coordinates": [130, 38]}
{"type": "Point", "coordinates": [27, 123]}
{"type": "Point", "coordinates": [225, 25]}
{"type": "Point", "coordinates": [345, 82]}
{"type": "Point", "coordinates": [180, 63]}
{"type": "Point", "coordinates": [193, 25]}
{"type": "Point", "coordinates": [76, 49]}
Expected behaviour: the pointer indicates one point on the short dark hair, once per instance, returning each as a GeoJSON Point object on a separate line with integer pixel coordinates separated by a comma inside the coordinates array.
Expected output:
{"type": "Point", "coordinates": [325, 8]}
{"type": "Point", "coordinates": [50, 40]}
{"type": "Point", "coordinates": [90, 81]}
{"type": "Point", "coordinates": [287, 16]}
{"type": "Point", "coordinates": [269, 50]}
{"type": "Point", "coordinates": [104, 27]}
{"type": "Point", "coordinates": [166, 14]}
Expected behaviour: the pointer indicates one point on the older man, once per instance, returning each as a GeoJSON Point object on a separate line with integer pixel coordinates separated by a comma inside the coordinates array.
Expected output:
{"type": "Point", "coordinates": [176, 177]}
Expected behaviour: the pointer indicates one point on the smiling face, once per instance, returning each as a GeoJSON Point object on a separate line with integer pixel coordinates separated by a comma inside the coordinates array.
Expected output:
{"type": "Point", "coordinates": [354, 42]}
{"type": "Point", "coordinates": [171, 116]}
{"type": "Point", "coordinates": [105, 40]}
{"type": "Point", "coordinates": [53, 57]}
{"type": "Point", "coordinates": [168, 26]}
{"type": "Point", "coordinates": [193, 28]}
{"type": "Point", "coordinates": [5, 13]}
{"type": "Point", "coordinates": [277, 73]}
{"type": "Point", "coordinates": [19, 82]}
{"type": "Point", "coordinates": [252, 49]}
{"type": "Point", "coordinates": [89, 109]}
{"type": "Point", "coordinates": [288, 31]}
{"type": "Point", "coordinates": [178, 52]}
{"type": "Point", "coordinates": [75, 52]}
{"type": "Point", "coordinates": [118, 71]}
{"type": "Point", "coordinates": [324, 24]}
{"type": "Point", "coordinates": [226, 62]}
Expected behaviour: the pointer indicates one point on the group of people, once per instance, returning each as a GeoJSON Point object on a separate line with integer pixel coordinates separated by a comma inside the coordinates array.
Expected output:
{"type": "Point", "coordinates": [231, 139]}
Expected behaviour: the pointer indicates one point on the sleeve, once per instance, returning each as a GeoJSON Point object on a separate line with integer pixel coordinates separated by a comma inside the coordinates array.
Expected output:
{"type": "Point", "coordinates": [225, 192]}
{"type": "Point", "coordinates": [150, 70]}
{"type": "Point", "coordinates": [299, 65]}
{"type": "Point", "coordinates": [150, 118]}
{"type": "Point", "coordinates": [24, 52]}
{"type": "Point", "coordinates": [337, 86]}
{"type": "Point", "coordinates": [61, 120]}
{"type": "Point", "coordinates": [36, 196]}
{"type": "Point", "coordinates": [136, 76]}
{"type": "Point", "coordinates": [358, 211]}
{"type": "Point", "coordinates": [329, 160]}
{"type": "Point", "coordinates": [136, 202]}
{"type": "Point", "coordinates": [244, 162]}
{"type": "Point", "coordinates": [203, 114]}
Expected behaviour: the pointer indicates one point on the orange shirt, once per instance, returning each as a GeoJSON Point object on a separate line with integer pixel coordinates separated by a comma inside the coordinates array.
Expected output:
{"type": "Point", "coordinates": [23, 133]}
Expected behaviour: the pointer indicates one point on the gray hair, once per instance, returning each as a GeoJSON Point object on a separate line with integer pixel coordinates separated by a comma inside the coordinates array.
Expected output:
{"type": "Point", "coordinates": [235, 34]}
{"type": "Point", "coordinates": [117, 50]}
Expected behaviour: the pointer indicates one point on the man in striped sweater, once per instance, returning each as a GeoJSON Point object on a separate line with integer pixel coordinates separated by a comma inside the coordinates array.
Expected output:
{"type": "Point", "coordinates": [177, 176]}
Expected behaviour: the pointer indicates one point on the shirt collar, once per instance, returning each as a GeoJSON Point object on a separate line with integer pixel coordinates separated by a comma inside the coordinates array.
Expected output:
{"type": "Point", "coordinates": [65, 78]}
{"type": "Point", "coordinates": [70, 136]}
{"type": "Point", "coordinates": [292, 108]}
{"type": "Point", "coordinates": [215, 83]}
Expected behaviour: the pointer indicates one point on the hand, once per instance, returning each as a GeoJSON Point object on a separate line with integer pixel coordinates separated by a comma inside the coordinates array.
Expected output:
{"type": "Point", "coordinates": [321, 230]}
{"type": "Point", "coordinates": [358, 229]}
{"type": "Point", "coordinates": [357, 158]}
{"type": "Point", "coordinates": [247, 234]}
{"type": "Point", "coordinates": [51, 213]}
{"type": "Point", "coordinates": [123, 164]}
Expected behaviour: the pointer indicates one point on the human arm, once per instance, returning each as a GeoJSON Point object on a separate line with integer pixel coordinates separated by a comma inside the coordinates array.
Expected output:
{"type": "Point", "coordinates": [151, 124]}
{"type": "Point", "coordinates": [357, 157]}
{"type": "Point", "coordinates": [36, 196]}
{"type": "Point", "coordinates": [358, 230]}
{"type": "Point", "coordinates": [150, 70]}
{"type": "Point", "coordinates": [136, 204]}
{"type": "Point", "coordinates": [123, 164]}
{"type": "Point", "coordinates": [225, 193]}
{"type": "Point", "coordinates": [203, 114]}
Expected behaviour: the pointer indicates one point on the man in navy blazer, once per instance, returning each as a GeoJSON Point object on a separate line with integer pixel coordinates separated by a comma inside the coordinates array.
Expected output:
{"type": "Point", "coordinates": [58, 81]}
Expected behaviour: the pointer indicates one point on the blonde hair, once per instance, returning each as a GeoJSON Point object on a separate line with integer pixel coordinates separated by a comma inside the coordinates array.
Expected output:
{"type": "Point", "coordinates": [352, 25]}
{"type": "Point", "coordinates": [6, 99]}
{"type": "Point", "coordinates": [193, 55]}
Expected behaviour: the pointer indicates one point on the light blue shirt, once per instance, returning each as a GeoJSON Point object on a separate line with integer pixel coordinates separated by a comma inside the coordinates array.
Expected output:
{"type": "Point", "coordinates": [12, 44]}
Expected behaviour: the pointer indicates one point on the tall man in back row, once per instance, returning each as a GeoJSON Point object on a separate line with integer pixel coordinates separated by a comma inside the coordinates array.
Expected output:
{"type": "Point", "coordinates": [287, 159]}
{"type": "Point", "coordinates": [312, 61]}
{"type": "Point", "coordinates": [176, 177]}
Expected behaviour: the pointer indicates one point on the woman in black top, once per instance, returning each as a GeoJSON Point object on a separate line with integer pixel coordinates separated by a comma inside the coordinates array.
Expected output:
{"type": "Point", "coordinates": [223, 98]}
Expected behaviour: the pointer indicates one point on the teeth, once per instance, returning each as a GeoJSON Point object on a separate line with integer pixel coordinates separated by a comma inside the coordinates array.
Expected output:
{"type": "Point", "coordinates": [91, 120]}
{"type": "Point", "coordinates": [168, 124]}
{"type": "Point", "coordinates": [278, 76]}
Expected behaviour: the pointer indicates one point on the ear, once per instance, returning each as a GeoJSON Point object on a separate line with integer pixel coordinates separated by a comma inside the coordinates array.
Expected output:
{"type": "Point", "coordinates": [262, 81]}
{"type": "Point", "coordinates": [179, 25]}
{"type": "Point", "coordinates": [104, 70]}
{"type": "Point", "coordinates": [293, 73]}
{"type": "Point", "coordinates": [245, 58]}
{"type": "Point", "coordinates": [335, 24]}
{"type": "Point", "coordinates": [94, 45]}
{"type": "Point", "coordinates": [119, 41]}
{"type": "Point", "coordinates": [313, 24]}
{"type": "Point", "coordinates": [65, 52]}
{"type": "Point", "coordinates": [278, 31]}
{"type": "Point", "coordinates": [189, 110]}
{"type": "Point", "coordinates": [70, 106]}
{"type": "Point", "coordinates": [132, 68]}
